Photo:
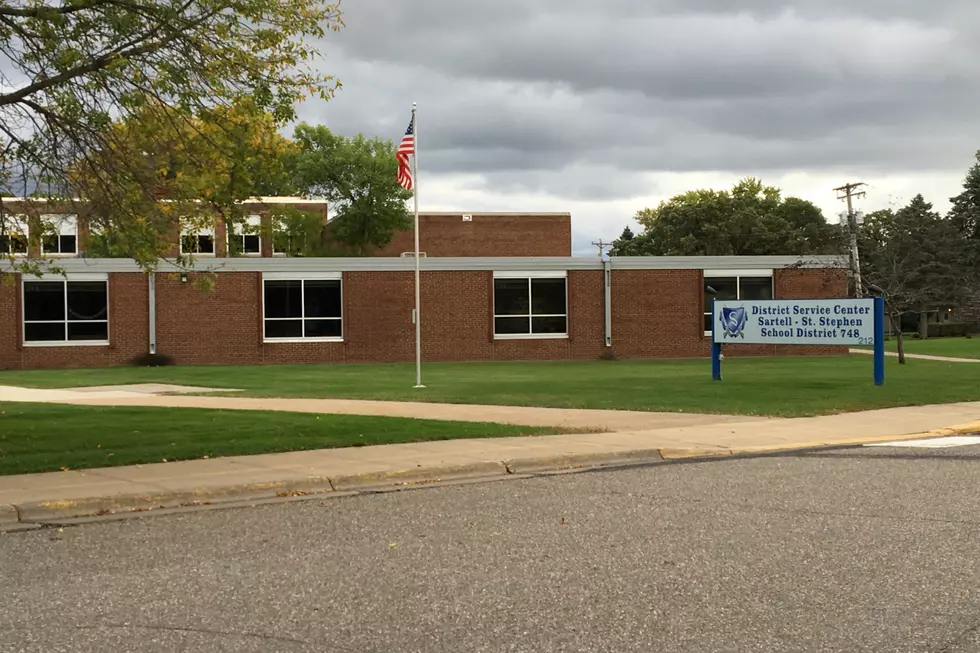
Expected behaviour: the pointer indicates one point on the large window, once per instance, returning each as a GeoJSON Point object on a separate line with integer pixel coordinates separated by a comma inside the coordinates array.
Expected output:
{"type": "Point", "coordinates": [302, 309]}
{"type": "Point", "coordinates": [72, 312]}
{"type": "Point", "coordinates": [529, 306]}
{"type": "Point", "coordinates": [13, 235]}
{"type": "Point", "coordinates": [249, 241]}
{"type": "Point", "coordinates": [60, 235]}
{"type": "Point", "coordinates": [731, 285]}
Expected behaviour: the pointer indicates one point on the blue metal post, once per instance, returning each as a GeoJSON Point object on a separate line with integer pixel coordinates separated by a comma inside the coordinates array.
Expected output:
{"type": "Point", "coordinates": [879, 341]}
{"type": "Point", "coordinates": [715, 347]}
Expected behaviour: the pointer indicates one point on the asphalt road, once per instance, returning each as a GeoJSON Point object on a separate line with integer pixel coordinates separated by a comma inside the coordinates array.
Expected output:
{"type": "Point", "coordinates": [852, 550]}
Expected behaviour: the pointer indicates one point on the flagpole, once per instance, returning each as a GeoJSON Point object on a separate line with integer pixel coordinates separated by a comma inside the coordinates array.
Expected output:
{"type": "Point", "coordinates": [418, 297]}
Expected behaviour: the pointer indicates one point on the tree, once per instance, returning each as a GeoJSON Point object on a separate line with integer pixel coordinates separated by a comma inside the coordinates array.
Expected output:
{"type": "Point", "coordinates": [749, 220]}
{"type": "Point", "coordinates": [965, 212]}
{"type": "Point", "coordinates": [358, 177]}
{"type": "Point", "coordinates": [75, 69]}
{"type": "Point", "coordinates": [915, 259]}
{"type": "Point", "coordinates": [203, 166]}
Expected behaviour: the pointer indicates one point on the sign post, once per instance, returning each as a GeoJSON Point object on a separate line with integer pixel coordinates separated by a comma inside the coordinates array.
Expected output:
{"type": "Point", "coordinates": [820, 322]}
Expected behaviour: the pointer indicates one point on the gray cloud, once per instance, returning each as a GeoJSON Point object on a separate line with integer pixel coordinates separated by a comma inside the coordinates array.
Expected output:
{"type": "Point", "coordinates": [581, 99]}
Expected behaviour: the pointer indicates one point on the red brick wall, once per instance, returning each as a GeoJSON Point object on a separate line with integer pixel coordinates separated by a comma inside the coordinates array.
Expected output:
{"type": "Point", "coordinates": [486, 235]}
{"type": "Point", "coordinates": [10, 323]}
{"type": "Point", "coordinates": [656, 313]}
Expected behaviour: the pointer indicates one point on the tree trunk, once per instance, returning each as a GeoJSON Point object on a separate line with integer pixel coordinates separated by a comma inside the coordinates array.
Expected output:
{"type": "Point", "coordinates": [896, 321]}
{"type": "Point", "coordinates": [923, 325]}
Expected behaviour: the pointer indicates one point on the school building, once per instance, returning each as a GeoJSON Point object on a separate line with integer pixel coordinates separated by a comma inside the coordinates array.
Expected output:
{"type": "Point", "coordinates": [494, 286]}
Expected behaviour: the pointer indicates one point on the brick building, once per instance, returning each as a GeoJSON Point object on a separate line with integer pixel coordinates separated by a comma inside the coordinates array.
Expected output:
{"type": "Point", "coordinates": [493, 287]}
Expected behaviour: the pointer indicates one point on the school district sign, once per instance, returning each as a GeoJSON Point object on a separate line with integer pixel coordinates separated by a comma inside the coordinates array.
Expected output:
{"type": "Point", "coordinates": [843, 322]}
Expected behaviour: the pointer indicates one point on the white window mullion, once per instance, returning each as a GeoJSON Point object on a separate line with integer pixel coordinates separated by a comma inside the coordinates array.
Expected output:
{"type": "Point", "coordinates": [64, 288]}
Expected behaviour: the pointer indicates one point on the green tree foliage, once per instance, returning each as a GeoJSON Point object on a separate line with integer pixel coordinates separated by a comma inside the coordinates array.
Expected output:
{"type": "Point", "coordinates": [749, 220]}
{"type": "Point", "coordinates": [915, 258]}
{"type": "Point", "coordinates": [77, 69]}
{"type": "Point", "coordinates": [201, 167]}
{"type": "Point", "coordinates": [357, 176]}
{"type": "Point", "coordinates": [965, 212]}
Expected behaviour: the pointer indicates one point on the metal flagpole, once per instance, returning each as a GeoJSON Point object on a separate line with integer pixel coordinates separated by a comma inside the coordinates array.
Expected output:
{"type": "Point", "coordinates": [418, 297]}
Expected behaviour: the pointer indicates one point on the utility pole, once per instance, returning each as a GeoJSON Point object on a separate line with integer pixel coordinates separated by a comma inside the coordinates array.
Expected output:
{"type": "Point", "coordinates": [601, 245]}
{"type": "Point", "coordinates": [850, 191]}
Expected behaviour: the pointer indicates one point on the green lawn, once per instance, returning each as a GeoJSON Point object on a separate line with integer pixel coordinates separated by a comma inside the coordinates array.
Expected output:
{"type": "Point", "coordinates": [786, 386]}
{"type": "Point", "coordinates": [48, 437]}
{"type": "Point", "coordinates": [954, 347]}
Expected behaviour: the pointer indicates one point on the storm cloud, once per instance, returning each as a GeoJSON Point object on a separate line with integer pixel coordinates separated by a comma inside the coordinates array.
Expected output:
{"type": "Point", "coordinates": [594, 101]}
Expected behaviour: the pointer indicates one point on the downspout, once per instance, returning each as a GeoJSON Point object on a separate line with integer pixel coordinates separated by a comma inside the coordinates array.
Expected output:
{"type": "Point", "coordinates": [152, 278]}
{"type": "Point", "coordinates": [607, 274]}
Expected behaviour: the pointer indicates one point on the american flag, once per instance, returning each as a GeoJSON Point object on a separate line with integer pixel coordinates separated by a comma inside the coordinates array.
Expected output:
{"type": "Point", "coordinates": [405, 150]}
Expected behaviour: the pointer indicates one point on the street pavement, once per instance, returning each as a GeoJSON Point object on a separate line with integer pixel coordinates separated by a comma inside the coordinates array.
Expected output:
{"type": "Point", "coordinates": [857, 549]}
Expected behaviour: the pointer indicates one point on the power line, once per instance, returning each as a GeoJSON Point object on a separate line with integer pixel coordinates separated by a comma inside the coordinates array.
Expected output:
{"type": "Point", "coordinates": [850, 191]}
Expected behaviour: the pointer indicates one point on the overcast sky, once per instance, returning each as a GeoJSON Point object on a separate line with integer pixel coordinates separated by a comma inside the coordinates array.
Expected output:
{"type": "Point", "coordinates": [603, 107]}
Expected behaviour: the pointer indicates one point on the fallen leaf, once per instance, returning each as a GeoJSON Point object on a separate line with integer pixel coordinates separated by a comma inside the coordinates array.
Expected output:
{"type": "Point", "coordinates": [563, 522]}
{"type": "Point", "coordinates": [393, 545]}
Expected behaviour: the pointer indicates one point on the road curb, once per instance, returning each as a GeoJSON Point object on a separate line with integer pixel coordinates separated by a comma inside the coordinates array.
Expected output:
{"type": "Point", "coordinates": [580, 461]}
{"type": "Point", "coordinates": [8, 514]}
{"type": "Point", "coordinates": [420, 475]}
{"type": "Point", "coordinates": [714, 452]}
{"type": "Point", "coordinates": [41, 511]}
{"type": "Point", "coordinates": [58, 510]}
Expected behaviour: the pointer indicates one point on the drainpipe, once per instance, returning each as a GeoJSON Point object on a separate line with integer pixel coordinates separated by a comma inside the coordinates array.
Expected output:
{"type": "Point", "coordinates": [152, 278]}
{"type": "Point", "coordinates": [607, 274]}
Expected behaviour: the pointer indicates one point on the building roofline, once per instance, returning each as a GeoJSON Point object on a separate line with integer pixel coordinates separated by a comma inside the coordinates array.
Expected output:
{"type": "Point", "coordinates": [302, 265]}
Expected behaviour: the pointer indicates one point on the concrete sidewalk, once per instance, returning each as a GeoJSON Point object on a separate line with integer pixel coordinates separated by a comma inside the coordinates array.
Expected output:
{"type": "Point", "coordinates": [922, 357]}
{"type": "Point", "coordinates": [60, 495]}
{"type": "Point", "coordinates": [574, 418]}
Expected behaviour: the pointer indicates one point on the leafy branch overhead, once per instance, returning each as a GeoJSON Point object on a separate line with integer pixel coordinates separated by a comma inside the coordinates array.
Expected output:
{"type": "Point", "coordinates": [76, 70]}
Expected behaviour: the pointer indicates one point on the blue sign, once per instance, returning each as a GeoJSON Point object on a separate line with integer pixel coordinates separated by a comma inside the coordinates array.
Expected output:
{"type": "Point", "coordinates": [820, 322]}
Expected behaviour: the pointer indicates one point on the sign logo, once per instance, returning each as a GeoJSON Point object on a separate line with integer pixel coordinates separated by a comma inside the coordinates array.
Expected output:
{"type": "Point", "coordinates": [734, 320]}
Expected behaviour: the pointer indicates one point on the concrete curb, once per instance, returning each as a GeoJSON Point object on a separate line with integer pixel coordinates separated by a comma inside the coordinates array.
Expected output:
{"type": "Point", "coordinates": [54, 511]}
{"type": "Point", "coordinates": [581, 460]}
{"type": "Point", "coordinates": [419, 475]}
{"type": "Point", "coordinates": [39, 511]}
{"type": "Point", "coordinates": [714, 452]}
{"type": "Point", "coordinates": [8, 514]}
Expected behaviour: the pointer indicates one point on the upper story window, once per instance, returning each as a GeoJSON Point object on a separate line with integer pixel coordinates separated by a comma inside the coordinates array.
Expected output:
{"type": "Point", "coordinates": [734, 285]}
{"type": "Point", "coordinates": [247, 241]}
{"type": "Point", "coordinates": [197, 241]}
{"type": "Point", "coordinates": [13, 235]}
{"type": "Point", "coordinates": [59, 235]}
{"type": "Point", "coordinates": [530, 305]}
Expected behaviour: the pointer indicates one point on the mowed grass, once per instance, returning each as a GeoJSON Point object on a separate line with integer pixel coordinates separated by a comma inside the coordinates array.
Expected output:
{"type": "Point", "coordinates": [952, 347]}
{"type": "Point", "coordinates": [49, 437]}
{"type": "Point", "coordinates": [783, 386]}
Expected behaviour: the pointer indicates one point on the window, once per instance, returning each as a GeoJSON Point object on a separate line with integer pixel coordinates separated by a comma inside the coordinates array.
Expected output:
{"type": "Point", "coordinates": [13, 235]}
{"type": "Point", "coordinates": [59, 235]}
{"type": "Point", "coordinates": [72, 312]}
{"type": "Point", "coordinates": [198, 241]}
{"type": "Point", "coordinates": [745, 284]}
{"type": "Point", "coordinates": [529, 306]}
{"type": "Point", "coordinates": [302, 309]}
{"type": "Point", "coordinates": [249, 241]}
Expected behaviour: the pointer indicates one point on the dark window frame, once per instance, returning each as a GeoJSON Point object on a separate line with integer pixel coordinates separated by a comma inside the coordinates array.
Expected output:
{"type": "Point", "coordinates": [530, 315]}
{"type": "Point", "coordinates": [66, 319]}
{"type": "Point", "coordinates": [302, 318]}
